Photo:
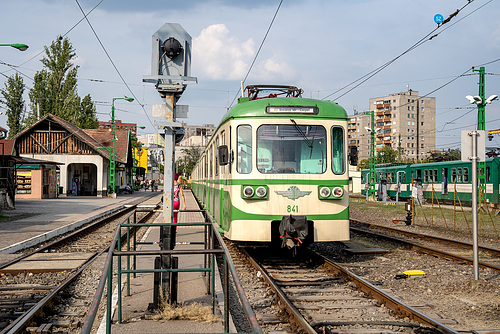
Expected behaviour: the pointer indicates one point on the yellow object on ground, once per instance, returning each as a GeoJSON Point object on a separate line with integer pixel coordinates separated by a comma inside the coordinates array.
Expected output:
{"type": "Point", "coordinates": [414, 273]}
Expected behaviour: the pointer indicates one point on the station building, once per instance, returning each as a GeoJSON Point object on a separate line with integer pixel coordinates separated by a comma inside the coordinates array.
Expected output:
{"type": "Point", "coordinates": [82, 156]}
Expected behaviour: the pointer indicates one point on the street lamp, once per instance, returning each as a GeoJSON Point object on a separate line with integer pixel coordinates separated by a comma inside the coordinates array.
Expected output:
{"type": "Point", "coordinates": [21, 47]}
{"type": "Point", "coordinates": [112, 147]}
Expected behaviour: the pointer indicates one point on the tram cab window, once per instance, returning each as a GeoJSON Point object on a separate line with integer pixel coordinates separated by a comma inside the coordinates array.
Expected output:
{"type": "Point", "coordinates": [466, 174]}
{"type": "Point", "coordinates": [291, 148]}
{"type": "Point", "coordinates": [488, 174]}
{"type": "Point", "coordinates": [244, 149]}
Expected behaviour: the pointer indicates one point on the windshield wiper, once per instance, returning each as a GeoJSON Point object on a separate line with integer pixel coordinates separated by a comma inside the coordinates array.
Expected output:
{"type": "Point", "coordinates": [308, 142]}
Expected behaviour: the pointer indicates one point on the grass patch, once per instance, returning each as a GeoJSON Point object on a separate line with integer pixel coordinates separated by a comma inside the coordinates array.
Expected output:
{"type": "Point", "coordinates": [193, 311]}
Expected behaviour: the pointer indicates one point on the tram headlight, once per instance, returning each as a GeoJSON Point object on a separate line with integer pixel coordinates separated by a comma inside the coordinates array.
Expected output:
{"type": "Point", "coordinates": [330, 192]}
{"type": "Point", "coordinates": [338, 192]}
{"type": "Point", "coordinates": [261, 191]}
{"type": "Point", "coordinates": [254, 191]}
{"type": "Point", "coordinates": [325, 192]}
{"type": "Point", "coordinates": [248, 191]}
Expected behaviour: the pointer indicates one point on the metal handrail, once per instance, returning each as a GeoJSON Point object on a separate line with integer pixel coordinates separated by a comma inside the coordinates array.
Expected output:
{"type": "Point", "coordinates": [107, 274]}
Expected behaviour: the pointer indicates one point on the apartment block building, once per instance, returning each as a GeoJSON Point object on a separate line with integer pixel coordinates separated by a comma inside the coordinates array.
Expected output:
{"type": "Point", "coordinates": [403, 121]}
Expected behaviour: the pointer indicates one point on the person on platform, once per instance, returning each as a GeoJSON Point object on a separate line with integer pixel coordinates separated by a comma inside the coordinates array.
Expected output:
{"type": "Point", "coordinates": [152, 184]}
{"type": "Point", "coordinates": [178, 194]}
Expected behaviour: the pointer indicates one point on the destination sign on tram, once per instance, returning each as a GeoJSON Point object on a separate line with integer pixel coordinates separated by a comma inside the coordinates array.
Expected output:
{"type": "Point", "coordinates": [291, 110]}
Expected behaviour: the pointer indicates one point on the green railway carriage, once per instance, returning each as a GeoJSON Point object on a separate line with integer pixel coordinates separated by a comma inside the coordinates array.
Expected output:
{"type": "Point", "coordinates": [276, 169]}
{"type": "Point", "coordinates": [442, 180]}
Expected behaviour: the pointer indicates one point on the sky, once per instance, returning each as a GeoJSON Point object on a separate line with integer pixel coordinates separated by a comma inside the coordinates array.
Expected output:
{"type": "Point", "coordinates": [318, 45]}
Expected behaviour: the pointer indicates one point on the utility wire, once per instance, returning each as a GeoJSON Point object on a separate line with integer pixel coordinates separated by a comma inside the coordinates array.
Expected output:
{"type": "Point", "coordinates": [35, 56]}
{"type": "Point", "coordinates": [258, 51]}
{"type": "Point", "coordinates": [371, 74]}
{"type": "Point", "coordinates": [114, 66]}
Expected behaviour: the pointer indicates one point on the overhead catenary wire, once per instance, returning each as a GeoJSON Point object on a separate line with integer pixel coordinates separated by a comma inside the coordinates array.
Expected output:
{"type": "Point", "coordinates": [257, 53]}
{"type": "Point", "coordinates": [371, 74]}
{"type": "Point", "coordinates": [114, 66]}
{"type": "Point", "coordinates": [64, 35]}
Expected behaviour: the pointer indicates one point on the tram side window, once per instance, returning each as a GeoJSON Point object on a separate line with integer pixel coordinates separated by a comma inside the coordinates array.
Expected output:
{"type": "Point", "coordinates": [453, 175]}
{"type": "Point", "coordinates": [244, 149]}
{"type": "Point", "coordinates": [338, 150]}
{"type": "Point", "coordinates": [459, 174]}
{"type": "Point", "coordinates": [426, 176]}
{"type": "Point", "coordinates": [435, 177]}
{"type": "Point", "coordinates": [488, 174]}
{"type": "Point", "coordinates": [216, 156]}
{"type": "Point", "coordinates": [211, 158]}
{"type": "Point", "coordinates": [392, 177]}
{"type": "Point", "coordinates": [466, 174]}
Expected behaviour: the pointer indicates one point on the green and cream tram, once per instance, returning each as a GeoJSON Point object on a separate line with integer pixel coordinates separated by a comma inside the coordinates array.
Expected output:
{"type": "Point", "coordinates": [276, 170]}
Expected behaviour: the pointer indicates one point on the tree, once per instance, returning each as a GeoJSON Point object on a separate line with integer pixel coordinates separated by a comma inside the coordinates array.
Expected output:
{"type": "Point", "coordinates": [363, 164]}
{"type": "Point", "coordinates": [445, 155]}
{"type": "Point", "coordinates": [386, 155]}
{"type": "Point", "coordinates": [13, 95]}
{"type": "Point", "coordinates": [192, 155]}
{"type": "Point", "coordinates": [87, 119]}
{"type": "Point", "coordinates": [55, 88]}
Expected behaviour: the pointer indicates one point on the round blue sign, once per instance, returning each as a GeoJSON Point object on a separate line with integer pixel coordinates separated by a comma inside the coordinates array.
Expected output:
{"type": "Point", "coordinates": [438, 18]}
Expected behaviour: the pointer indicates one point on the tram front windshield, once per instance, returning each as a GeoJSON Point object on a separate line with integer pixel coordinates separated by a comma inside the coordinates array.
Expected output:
{"type": "Point", "coordinates": [291, 149]}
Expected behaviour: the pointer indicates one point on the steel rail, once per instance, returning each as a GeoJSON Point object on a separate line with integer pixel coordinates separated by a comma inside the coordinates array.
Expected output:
{"type": "Point", "coordinates": [491, 250]}
{"type": "Point", "coordinates": [299, 320]}
{"type": "Point", "coordinates": [427, 250]}
{"type": "Point", "coordinates": [21, 322]}
{"type": "Point", "coordinates": [69, 235]}
{"type": "Point", "coordinates": [249, 313]}
{"type": "Point", "coordinates": [397, 306]}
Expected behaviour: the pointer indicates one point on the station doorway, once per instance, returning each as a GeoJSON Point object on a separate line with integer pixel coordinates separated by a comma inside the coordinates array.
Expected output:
{"type": "Point", "coordinates": [82, 180]}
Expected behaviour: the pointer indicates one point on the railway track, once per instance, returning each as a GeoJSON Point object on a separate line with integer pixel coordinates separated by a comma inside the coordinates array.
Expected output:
{"type": "Point", "coordinates": [317, 296]}
{"type": "Point", "coordinates": [39, 290]}
{"type": "Point", "coordinates": [437, 246]}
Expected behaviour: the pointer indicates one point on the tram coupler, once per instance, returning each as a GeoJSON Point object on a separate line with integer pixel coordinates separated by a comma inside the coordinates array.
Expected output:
{"type": "Point", "coordinates": [293, 231]}
{"type": "Point", "coordinates": [409, 211]}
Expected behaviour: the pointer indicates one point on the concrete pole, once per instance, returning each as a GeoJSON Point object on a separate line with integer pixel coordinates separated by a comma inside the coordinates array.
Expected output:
{"type": "Point", "coordinates": [474, 205]}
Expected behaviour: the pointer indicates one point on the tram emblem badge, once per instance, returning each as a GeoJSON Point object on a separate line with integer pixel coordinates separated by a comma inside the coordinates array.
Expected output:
{"type": "Point", "coordinates": [293, 193]}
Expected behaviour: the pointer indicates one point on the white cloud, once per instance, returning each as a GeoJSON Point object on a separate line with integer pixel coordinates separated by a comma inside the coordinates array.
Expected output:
{"type": "Point", "coordinates": [218, 55]}
{"type": "Point", "coordinates": [274, 70]}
